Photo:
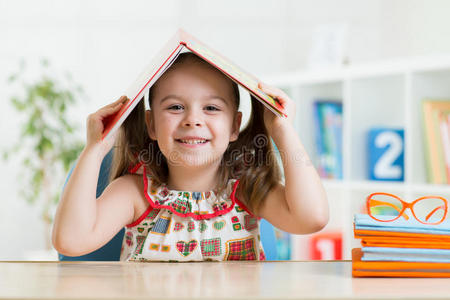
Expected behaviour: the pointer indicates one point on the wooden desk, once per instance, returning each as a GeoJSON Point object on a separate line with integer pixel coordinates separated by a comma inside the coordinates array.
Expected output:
{"type": "Point", "coordinates": [231, 280]}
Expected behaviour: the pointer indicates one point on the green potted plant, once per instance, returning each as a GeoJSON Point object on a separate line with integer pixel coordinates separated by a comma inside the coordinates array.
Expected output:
{"type": "Point", "coordinates": [48, 144]}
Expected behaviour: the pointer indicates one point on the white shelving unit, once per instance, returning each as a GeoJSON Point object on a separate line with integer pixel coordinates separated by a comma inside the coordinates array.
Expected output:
{"type": "Point", "coordinates": [387, 94]}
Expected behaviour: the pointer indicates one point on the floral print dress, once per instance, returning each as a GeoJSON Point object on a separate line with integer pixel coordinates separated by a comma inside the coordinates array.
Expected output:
{"type": "Point", "coordinates": [192, 226]}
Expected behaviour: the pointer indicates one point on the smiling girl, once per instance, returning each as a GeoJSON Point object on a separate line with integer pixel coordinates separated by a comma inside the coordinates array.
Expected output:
{"type": "Point", "coordinates": [187, 184]}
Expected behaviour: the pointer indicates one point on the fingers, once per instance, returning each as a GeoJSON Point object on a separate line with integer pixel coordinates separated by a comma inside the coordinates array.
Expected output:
{"type": "Point", "coordinates": [122, 99]}
{"type": "Point", "coordinates": [112, 107]}
{"type": "Point", "coordinates": [272, 91]}
{"type": "Point", "coordinates": [95, 119]}
{"type": "Point", "coordinates": [275, 93]}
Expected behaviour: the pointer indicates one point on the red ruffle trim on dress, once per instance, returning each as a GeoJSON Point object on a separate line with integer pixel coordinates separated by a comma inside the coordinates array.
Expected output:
{"type": "Point", "coordinates": [154, 205]}
{"type": "Point", "coordinates": [193, 215]}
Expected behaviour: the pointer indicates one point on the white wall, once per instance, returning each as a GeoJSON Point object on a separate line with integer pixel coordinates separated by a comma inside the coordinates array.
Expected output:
{"type": "Point", "coordinates": [105, 43]}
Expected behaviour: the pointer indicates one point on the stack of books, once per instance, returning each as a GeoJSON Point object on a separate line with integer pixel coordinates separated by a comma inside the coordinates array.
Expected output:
{"type": "Point", "coordinates": [401, 248]}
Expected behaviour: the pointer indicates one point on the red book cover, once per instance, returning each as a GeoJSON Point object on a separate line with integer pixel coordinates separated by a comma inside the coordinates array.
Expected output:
{"type": "Point", "coordinates": [181, 42]}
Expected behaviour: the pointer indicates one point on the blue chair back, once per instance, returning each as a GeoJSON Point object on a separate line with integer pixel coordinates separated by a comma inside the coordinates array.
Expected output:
{"type": "Point", "coordinates": [111, 250]}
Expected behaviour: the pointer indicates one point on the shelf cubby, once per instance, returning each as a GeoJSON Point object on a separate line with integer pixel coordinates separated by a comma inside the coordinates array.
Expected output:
{"type": "Point", "coordinates": [382, 94]}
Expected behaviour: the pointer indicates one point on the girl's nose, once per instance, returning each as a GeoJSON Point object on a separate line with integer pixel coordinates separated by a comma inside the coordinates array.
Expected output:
{"type": "Point", "coordinates": [191, 124]}
{"type": "Point", "coordinates": [192, 120]}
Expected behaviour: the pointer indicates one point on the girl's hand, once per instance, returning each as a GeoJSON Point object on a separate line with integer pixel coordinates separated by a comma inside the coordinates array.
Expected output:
{"type": "Point", "coordinates": [274, 122]}
{"type": "Point", "coordinates": [95, 126]}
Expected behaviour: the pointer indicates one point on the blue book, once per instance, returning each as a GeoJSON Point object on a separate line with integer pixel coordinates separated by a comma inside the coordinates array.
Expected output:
{"type": "Point", "coordinates": [328, 136]}
{"type": "Point", "coordinates": [337, 136]}
{"type": "Point", "coordinates": [328, 140]}
{"type": "Point", "coordinates": [405, 254]}
{"type": "Point", "coordinates": [365, 222]}
{"type": "Point", "coordinates": [318, 130]}
{"type": "Point", "coordinates": [283, 244]}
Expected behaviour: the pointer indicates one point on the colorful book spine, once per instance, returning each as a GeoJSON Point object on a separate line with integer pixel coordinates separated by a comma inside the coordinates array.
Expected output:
{"type": "Point", "coordinates": [335, 129]}
{"type": "Point", "coordinates": [283, 244]}
{"type": "Point", "coordinates": [444, 124]}
{"type": "Point", "coordinates": [435, 154]}
{"type": "Point", "coordinates": [328, 136]}
{"type": "Point", "coordinates": [318, 129]}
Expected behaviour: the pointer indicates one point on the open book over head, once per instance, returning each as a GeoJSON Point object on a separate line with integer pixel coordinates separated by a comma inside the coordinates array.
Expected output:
{"type": "Point", "coordinates": [179, 43]}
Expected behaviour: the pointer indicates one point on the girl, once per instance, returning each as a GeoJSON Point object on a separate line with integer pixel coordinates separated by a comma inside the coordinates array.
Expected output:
{"type": "Point", "coordinates": [186, 183]}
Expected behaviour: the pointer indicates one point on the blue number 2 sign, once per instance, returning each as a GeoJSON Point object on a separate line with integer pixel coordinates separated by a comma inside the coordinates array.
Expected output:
{"type": "Point", "coordinates": [386, 154]}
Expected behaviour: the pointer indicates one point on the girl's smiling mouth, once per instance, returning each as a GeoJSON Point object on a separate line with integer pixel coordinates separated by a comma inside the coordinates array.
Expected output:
{"type": "Point", "coordinates": [192, 141]}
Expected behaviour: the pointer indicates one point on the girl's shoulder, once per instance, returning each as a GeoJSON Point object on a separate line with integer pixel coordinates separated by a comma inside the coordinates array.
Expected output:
{"type": "Point", "coordinates": [131, 187]}
{"type": "Point", "coordinates": [131, 178]}
{"type": "Point", "coordinates": [129, 183]}
{"type": "Point", "coordinates": [242, 198]}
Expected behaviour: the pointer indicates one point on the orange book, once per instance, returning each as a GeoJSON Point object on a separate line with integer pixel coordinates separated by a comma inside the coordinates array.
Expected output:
{"type": "Point", "coordinates": [405, 242]}
{"type": "Point", "coordinates": [396, 269]}
{"type": "Point", "coordinates": [362, 234]}
{"type": "Point", "coordinates": [182, 42]}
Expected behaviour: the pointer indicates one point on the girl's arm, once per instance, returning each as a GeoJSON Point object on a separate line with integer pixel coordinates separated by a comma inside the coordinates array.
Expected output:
{"type": "Point", "coordinates": [301, 205]}
{"type": "Point", "coordinates": [83, 223]}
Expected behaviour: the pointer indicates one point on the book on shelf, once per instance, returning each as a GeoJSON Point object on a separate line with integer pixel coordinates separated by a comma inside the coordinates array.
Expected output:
{"type": "Point", "coordinates": [444, 126]}
{"type": "Point", "coordinates": [436, 123]}
{"type": "Point", "coordinates": [328, 137]}
{"type": "Point", "coordinates": [179, 43]}
{"type": "Point", "coordinates": [282, 244]}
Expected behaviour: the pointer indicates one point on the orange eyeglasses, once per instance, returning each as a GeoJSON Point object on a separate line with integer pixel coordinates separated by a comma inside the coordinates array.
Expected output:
{"type": "Point", "coordinates": [385, 207]}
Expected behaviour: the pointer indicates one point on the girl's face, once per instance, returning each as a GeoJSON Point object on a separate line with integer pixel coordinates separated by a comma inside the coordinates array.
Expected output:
{"type": "Point", "coordinates": [193, 115]}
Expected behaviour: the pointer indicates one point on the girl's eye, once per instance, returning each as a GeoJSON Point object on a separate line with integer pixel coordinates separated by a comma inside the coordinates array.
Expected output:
{"type": "Point", "coordinates": [212, 108]}
{"type": "Point", "coordinates": [175, 107]}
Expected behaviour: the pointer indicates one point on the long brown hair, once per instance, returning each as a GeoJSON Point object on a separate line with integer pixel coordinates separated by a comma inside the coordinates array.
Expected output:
{"type": "Point", "coordinates": [250, 158]}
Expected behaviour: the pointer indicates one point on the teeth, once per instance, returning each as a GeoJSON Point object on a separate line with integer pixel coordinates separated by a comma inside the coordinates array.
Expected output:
{"type": "Point", "coordinates": [193, 142]}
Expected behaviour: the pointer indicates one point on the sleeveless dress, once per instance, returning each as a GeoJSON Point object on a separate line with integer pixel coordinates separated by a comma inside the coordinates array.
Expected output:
{"type": "Point", "coordinates": [191, 226]}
